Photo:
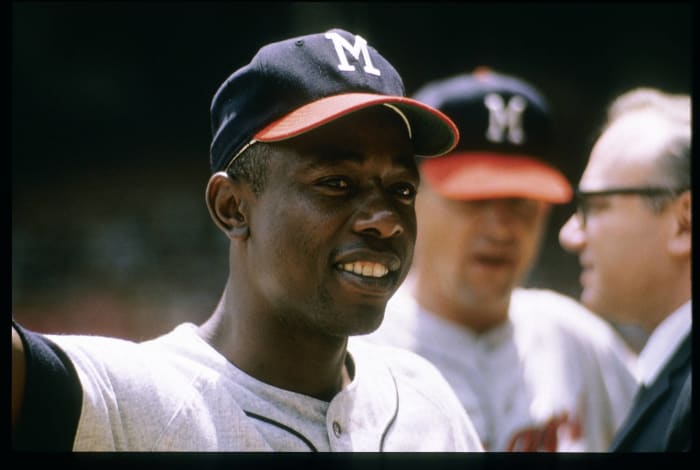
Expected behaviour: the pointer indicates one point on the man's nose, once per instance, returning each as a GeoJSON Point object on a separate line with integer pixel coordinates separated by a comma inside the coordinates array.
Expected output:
{"type": "Point", "coordinates": [379, 218]}
{"type": "Point", "coordinates": [571, 235]}
{"type": "Point", "coordinates": [500, 220]}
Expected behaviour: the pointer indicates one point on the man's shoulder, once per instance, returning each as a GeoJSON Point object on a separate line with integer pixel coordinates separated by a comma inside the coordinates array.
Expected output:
{"type": "Point", "coordinates": [116, 349]}
{"type": "Point", "coordinates": [129, 365]}
{"type": "Point", "coordinates": [555, 308]}
{"type": "Point", "coordinates": [545, 296]}
{"type": "Point", "coordinates": [550, 314]}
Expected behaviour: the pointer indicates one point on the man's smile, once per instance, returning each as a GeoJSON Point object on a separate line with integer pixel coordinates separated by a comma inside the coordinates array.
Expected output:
{"type": "Point", "coordinates": [369, 272]}
{"type": "Point", "coordinates": [365, 268]}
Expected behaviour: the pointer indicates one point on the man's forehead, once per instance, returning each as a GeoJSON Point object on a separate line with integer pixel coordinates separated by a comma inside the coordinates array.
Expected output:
{"type": "Point", "coordinates": [330, 156]}
{"type": "Point", "coordinates": [640, 135]}
{"type": "Point", "coordinates": [625, 154]}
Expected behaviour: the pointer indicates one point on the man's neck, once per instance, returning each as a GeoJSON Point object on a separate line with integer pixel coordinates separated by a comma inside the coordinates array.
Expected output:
{"type": "Point", "coordinates": [278, 353]}
{"type": "Point", "coordinates": [478, 317]}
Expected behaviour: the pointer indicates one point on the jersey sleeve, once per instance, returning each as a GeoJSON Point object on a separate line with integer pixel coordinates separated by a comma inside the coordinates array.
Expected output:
{"type": "Point", "coordinates": [52, 397]}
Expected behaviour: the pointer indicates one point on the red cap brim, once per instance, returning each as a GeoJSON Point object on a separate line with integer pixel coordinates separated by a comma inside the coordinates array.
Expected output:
{"type": "Point", "coordinates": [433, 132]}
{"type": "Point", "coordinates": [486, 176]}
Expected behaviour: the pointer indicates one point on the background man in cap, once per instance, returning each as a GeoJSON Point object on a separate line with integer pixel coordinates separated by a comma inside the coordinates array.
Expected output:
{"type": "Point", "coordinates": [632, 233]}
{"type": "Point", "coordinates": [534, 370]}
{"type": "Point", "coordinates": [314, 178]}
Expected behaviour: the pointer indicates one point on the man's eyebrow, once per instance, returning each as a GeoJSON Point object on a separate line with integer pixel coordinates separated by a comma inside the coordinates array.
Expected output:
{"type": "Point", "coordinates": [323, 159]}
{"type": "Point", "coordinates": [406, 159]}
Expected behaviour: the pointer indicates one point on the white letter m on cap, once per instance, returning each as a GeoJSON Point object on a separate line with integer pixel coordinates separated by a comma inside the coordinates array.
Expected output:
{"type": "Point", "coordinates": [360, 47]}
{"type": "Point", "coordinates": [502, 117]}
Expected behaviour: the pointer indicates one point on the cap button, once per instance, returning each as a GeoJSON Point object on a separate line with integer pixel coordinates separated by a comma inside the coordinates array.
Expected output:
{"type": "Point", "coordinates": [482, 70]}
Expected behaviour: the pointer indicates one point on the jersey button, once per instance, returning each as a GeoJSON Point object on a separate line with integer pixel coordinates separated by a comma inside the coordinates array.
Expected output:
{"type": "Point", "coordinates": [337, 430]}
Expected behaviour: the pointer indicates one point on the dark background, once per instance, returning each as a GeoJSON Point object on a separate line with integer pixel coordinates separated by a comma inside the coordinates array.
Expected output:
{"type": "Point", "coordinates": [110, 128]}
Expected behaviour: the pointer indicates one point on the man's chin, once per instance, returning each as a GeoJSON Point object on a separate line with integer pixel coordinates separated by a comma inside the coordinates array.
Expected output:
{"type": "Point", "coordinates": [359, 320]}
{"type": "Point", "coordinates": [490, 290]}
{"type": "Point", "coordinates": [365, 322]}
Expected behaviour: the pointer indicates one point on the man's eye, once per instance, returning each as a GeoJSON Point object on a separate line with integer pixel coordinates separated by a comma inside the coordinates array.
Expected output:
{"type": "Point", "coordinates": [595, 204]}
{"type": "Point", "coordinates": [335, 183]}
{"type": "Point", "coordinates": [405, 191]}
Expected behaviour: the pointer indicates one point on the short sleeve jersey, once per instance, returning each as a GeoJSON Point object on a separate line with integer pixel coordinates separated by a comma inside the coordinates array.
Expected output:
{"type": "Point", "coordinates": [176, 393]}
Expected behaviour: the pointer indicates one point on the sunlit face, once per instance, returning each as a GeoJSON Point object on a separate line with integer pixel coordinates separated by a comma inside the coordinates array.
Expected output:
{"type": "Point", "coordinates": [621, 249]}
{"type": "Point", "coordinates": [332, 234]}
{"type": "Point", "coordinates": [473, 253]}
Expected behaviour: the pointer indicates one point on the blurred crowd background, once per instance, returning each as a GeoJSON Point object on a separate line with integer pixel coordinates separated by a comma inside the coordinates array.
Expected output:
{"type": "Point", "coordinates": [110, 128]}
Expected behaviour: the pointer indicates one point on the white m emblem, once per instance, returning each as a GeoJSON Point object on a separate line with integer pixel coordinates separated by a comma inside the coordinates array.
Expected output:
{"type": "Point", "coordinates": [503, 117]}
{"type": "Point", "coordinates": [360, 47]}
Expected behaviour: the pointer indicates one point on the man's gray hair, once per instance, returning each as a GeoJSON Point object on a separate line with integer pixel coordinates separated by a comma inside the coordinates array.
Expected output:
{"type": "Point", "coordinates": [674, 159]}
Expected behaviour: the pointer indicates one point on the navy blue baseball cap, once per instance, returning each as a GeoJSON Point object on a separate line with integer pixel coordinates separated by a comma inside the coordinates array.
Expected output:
{"type": "Point", "coordinates": [505, 141]}
{"type": "Point", "coordinates": [296, 85]}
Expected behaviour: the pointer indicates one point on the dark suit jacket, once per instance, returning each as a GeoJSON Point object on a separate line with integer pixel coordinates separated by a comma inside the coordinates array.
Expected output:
{"type": "Point", "coordinates": [660, 418]}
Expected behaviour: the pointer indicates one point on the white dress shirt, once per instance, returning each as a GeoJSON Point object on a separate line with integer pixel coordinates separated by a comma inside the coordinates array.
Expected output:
{"type": "Point", "coordinates": [663, 342]}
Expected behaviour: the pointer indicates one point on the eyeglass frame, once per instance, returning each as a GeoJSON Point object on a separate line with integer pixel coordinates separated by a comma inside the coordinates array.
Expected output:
{"type": "Point", "coordinates": [645, 191]}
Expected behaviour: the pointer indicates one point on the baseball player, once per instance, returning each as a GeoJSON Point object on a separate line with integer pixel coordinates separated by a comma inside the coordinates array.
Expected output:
{"type": "Point", "coordinates": [313, 183]}
{"type": "Point", "coordinates": [533, 368]}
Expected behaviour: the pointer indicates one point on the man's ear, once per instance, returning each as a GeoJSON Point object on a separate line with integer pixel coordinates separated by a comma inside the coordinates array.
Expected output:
{"type": "Point", "coordinates": [680, 243]}
{"type": "Point", "coordinates": [227, 201]}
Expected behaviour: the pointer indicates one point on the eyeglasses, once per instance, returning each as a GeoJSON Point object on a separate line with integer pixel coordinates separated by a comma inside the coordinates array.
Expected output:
{"type": "Point", "coordinates": [583, 197]}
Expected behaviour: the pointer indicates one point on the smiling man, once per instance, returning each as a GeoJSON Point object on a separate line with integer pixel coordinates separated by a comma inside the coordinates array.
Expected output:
{"type": "Point", "coordinates": [313, 182]}
{"type": "Point", "coordinates": [534, 369]}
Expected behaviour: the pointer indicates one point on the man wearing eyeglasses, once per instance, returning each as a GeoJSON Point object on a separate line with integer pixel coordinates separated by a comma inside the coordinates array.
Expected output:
{"type": "Point", "coordinates": [632, 233]}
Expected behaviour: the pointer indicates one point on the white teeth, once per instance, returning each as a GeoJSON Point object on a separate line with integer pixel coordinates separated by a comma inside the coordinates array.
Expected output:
{"type": "Point", "coordinates": [365, 268]}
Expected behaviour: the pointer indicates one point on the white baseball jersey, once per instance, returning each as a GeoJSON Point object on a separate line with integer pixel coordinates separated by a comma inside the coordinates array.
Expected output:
{"type": "Point", "coordinates": [554, 377]}
{"type": "Point", "coordinates": [176, 393]}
